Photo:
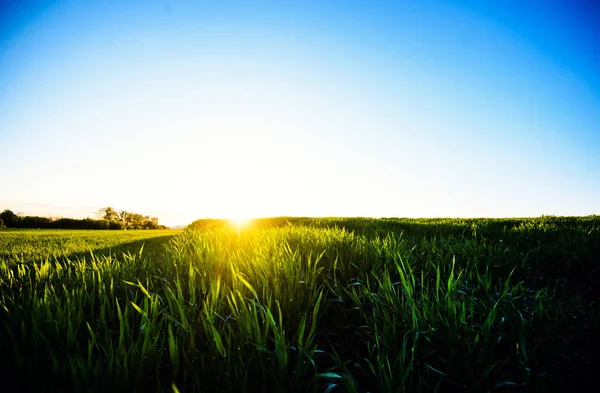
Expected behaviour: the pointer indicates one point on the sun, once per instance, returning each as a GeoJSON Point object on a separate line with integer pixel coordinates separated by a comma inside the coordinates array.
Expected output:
{"type": "Point", "coordinates": [240, 222]}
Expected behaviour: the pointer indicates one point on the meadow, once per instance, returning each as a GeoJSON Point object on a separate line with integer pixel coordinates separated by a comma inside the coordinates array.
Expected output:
{"type": "Point", "coordinates": [304, 305]}
{"type": "Point", "coordinates": [35, 245]}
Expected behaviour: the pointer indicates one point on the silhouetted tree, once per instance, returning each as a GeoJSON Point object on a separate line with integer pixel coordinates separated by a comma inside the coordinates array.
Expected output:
{"type": "Point", "coordinates": [115, 225]}
{"type": "Point", "coordinates": [109, 219]}
{"type": "Point", "coordinates": [9, 218]}
{"type": "Point", "coordinates": [33, 222]}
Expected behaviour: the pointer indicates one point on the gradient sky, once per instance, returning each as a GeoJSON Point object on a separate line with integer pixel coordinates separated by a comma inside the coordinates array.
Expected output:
{"type": "Point", "coordinates": [189, 109]}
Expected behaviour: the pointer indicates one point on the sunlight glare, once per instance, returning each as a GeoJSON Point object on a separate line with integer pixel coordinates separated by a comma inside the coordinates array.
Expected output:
{"type": "Point", "coordinates": [240, 222]}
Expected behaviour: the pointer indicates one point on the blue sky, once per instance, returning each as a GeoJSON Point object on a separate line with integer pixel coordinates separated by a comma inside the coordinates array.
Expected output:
{"type": "Point", "coordinates": [188, 109]}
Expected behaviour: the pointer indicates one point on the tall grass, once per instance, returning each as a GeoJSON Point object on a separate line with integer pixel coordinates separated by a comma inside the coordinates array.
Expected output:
{"type": "Point", "coordinates": [330, 305]}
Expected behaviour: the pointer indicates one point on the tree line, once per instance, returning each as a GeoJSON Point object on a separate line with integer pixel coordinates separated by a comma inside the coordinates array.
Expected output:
{"type": "Point", "coordinates": [108, 218]}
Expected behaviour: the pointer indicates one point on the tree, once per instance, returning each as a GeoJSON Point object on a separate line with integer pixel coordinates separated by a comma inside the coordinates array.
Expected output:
{"type": "Point", "coordinates": [127, 220]}
{"type": "Point", "coordinates": [115, 225]}
{"type": "Point", "coordinates": [109, 218]}
{"type": "Point", "coordinates": [150, 222]}
{"type": "Point", "coordinates": [9, 218]}
{"type": "Point", "coordinates": [108, 214]}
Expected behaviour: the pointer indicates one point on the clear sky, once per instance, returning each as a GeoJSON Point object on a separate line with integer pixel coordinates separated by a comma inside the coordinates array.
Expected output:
{"type": "Point", "coordinates": [190, 109]}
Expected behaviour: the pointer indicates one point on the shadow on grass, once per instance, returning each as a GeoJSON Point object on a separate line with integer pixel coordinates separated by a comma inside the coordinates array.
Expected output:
{"type": "Point", "coordinates": [151, 246]}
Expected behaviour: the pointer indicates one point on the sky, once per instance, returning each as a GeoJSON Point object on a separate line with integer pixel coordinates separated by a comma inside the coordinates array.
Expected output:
{"type": "Point", "coordinates": [217, 108]}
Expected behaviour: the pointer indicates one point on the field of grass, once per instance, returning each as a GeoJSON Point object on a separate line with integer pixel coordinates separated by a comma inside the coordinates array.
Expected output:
{"type": "Point", "coordinates": [304, 305]}
{"type": "Point", "coordinates": [34, 245]}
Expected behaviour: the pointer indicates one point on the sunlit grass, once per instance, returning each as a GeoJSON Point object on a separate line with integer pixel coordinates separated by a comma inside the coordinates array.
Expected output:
{"type": "Point", "coordinates": [36, 244]}
{"type": "Point", "coordinates": [300, 305]}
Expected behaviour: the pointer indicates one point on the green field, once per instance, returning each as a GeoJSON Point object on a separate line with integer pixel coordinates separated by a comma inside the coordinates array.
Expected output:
{"type": "Point", "coordinates": [304, 305]}
{"type": "Point", "coordinates": [34, 245]}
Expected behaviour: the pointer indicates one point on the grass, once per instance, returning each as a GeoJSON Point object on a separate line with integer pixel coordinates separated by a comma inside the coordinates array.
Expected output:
{"type": "Point", "coordinates": [33, 245]}
{"type": "Point", "coordinates": [304, 305]}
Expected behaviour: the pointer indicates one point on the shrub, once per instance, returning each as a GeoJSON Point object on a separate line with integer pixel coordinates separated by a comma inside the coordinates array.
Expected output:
{"type": "Point", "coordinates": [115, 225]}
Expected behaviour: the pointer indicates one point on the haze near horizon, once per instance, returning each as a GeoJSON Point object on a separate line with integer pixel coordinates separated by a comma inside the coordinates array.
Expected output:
{"type": "Point", "coordinates": [190, 109]}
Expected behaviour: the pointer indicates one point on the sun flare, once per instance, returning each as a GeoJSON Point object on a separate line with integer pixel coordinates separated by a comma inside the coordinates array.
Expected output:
{"type": "Point", "coordinates": [240, 222]}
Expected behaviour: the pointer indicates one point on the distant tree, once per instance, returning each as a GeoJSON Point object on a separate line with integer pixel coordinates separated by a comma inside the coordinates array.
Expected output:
{"type": "Point", "coordinates": [150, 222]}
{"type": "Point", "coordinates": [109, 219]}
{"type": "Point", "coordinates": [124, 217]}
{"type": "Point", "coordinates": [127, 220]}
{"type": "Point", "coordinates": [115, 225]}
{"type": "Point", "coordinates": [108, 214]}
{"type": "Point", "coordinates": [137, 220]}
{"type": "Point", "coordinates": [33, 222]}
{"type": "Point", "coordinates": [10, 219]}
